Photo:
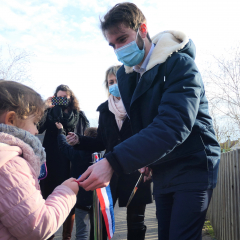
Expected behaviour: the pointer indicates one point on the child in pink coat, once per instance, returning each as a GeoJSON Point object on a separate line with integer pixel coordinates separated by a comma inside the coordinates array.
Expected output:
{"type": "Point", "coordinates": [24, 214]}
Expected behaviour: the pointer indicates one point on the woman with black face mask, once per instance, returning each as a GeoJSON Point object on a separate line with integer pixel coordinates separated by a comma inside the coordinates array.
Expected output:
{"type": "Point", "coordinates": [58, 166]}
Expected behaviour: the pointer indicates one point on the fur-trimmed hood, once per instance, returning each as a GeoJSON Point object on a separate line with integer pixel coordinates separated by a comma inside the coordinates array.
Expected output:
{"type": "Point", "coordinates": [11, 147]}
{"type": "Point", "coordinates": [166, 43]}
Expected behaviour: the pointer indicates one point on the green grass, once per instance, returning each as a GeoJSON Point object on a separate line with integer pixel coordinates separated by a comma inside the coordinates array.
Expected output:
{"type": "Point", "coordinates": [208, 228]}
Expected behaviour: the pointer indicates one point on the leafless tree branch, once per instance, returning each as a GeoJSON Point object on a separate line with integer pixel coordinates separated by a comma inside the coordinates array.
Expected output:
{"type": "Point", "coordinates": [15, 64]}
{"type": "Point", "coordinates": [223, 85]}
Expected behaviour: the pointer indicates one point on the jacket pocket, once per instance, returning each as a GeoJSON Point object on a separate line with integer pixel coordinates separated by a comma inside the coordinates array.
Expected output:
{"type": "Point", "coordinates": [191, 145]}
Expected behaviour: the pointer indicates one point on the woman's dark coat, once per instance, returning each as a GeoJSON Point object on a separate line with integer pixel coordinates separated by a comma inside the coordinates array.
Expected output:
{"type": "Point", "coordinates": [58, 166]}
{"type": "Point", "coordinates": [108, 137]}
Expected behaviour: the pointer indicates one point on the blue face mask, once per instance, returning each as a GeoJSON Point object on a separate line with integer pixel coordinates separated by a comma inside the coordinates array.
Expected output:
{"type": "Point", "coordinates": [113, 89]}
{"type": "Point", "coordinates": [130, 54]}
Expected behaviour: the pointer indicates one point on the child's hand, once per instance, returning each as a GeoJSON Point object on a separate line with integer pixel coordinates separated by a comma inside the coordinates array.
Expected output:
{"type": "Point", "coordinates": [59, 125]}
{"type": "Point", "coordinates": [72, 138]}
{"type": "Point", "coordinates": [72, 184]}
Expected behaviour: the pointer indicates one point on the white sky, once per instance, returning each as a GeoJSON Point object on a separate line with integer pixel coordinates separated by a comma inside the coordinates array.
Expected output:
{"type": "Point", "coordinates": [70, 49]}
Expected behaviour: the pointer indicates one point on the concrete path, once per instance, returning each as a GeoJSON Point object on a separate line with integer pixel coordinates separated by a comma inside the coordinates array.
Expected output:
{"type": "Point", "coordinates": [121, 227]}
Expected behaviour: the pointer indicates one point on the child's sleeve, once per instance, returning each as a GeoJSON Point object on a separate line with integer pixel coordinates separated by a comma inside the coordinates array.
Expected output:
{"type": "Point", "coordinates": [64, 147]}
{"type": "Point", "coordinates": [24, 213]}
{"type": "Point", "coordinates": [70, 152]}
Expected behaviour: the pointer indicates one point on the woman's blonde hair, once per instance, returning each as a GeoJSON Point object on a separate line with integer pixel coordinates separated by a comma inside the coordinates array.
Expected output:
{"type": "Point", "coordinates": [112, 70]}
{"type": "Point", "coordinates": [23, 100]}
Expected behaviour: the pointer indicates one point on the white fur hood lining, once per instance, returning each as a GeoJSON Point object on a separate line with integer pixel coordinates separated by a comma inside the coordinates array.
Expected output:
{"type": "Point", "coordinates": [167, 43]}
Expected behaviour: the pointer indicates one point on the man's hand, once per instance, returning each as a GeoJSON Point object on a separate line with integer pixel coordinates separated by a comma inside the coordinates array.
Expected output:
{"type": "Point", "coordinates": [97, 176]}
{"type": "Point", "coordinates": [72, 138]}
{"type": "Point", "coordinates": [147, 172]}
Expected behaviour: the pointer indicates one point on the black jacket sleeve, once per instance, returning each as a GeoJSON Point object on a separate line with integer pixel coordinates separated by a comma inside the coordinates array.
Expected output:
{"type": "Point", "coordinates": [176, 116]}
{"type": "Point", "coordinates": [83, 123]}
{"type": "Point", "coordinates": [42, 126]}
{"type": "Point", "coordinates": [87, 124]}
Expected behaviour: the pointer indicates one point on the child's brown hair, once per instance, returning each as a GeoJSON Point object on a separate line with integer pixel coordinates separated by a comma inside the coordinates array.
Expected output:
{"type": "Point", "coordinates": [91, 132]}
{"type": "Point", "coordinates": [23, 100]}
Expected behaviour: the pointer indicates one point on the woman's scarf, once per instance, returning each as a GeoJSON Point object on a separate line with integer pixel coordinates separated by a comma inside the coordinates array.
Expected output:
{"type": "Point", "coordinates": [26, 138]}
{"type": "Point", "coordinates": [68, 120]}
{"type": "Point", "coordinates": [117, 108]}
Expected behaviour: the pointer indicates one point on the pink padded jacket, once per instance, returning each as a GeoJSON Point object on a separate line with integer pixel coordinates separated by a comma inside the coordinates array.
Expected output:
{"type": "Point", "coordinates": [24, 214]}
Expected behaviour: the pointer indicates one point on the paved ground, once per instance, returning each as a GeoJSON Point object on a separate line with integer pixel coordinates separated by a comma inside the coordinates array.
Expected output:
{"type": "Point", "coordinates": [121, 227]}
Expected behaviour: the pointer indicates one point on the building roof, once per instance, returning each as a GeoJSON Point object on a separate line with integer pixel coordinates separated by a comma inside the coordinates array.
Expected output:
{"type": "Point", "coordinates": [232, 143]}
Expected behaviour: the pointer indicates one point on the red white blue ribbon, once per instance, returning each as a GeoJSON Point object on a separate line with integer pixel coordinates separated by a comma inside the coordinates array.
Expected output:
{"type": "Point", "coordinates": [106, 203]}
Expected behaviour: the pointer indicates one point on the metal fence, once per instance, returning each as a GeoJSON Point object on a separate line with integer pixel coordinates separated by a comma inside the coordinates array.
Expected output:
{"type": "Point", "coordinates": [224, 209]}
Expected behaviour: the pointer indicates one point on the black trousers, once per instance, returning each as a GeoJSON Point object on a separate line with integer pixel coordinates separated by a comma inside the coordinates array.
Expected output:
{"type": "Point", "coordinates": [135, 223]}
{"type": "Point", "coordinates": [181, 214]}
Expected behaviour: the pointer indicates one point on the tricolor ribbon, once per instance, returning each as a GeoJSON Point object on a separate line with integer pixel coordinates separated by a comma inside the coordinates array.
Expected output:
{"type": "Point", "coordinates": [106, 203]}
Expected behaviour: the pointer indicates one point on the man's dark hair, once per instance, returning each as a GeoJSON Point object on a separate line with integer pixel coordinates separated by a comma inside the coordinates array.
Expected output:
{"type": "Point", "coordinates": [127, 13]}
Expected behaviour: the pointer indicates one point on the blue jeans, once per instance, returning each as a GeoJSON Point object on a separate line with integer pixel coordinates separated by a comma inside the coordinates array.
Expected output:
{"type": "Point", "coordinates": [83, 224]}
{"type": "Point", "coordinates": [181, 214]}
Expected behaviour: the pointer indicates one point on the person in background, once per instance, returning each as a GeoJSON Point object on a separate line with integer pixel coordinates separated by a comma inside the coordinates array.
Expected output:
{"type": "Point", "coordinates": [164, 97]}
{"type": "Point", "coordinates": [24, 214]}
{"type": "Point", "coordinates": [114, 127]}
{"type": "Point", "coordinates": [91, 132]}
{"type": "Point", "coordinates": [58, 165]}
{"type": "Point", "coordinates": [80, 161]}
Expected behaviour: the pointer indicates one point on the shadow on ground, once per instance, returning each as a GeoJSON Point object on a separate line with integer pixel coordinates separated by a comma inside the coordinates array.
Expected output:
{"type": "Point", "coordinates": [121, 225]}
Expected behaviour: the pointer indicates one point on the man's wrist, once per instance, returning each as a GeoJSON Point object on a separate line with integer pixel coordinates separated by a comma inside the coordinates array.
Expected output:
{"type": "Point", "coordinates": [117, 168]}
{"type": "Point", "coordinates": [108, 163]}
